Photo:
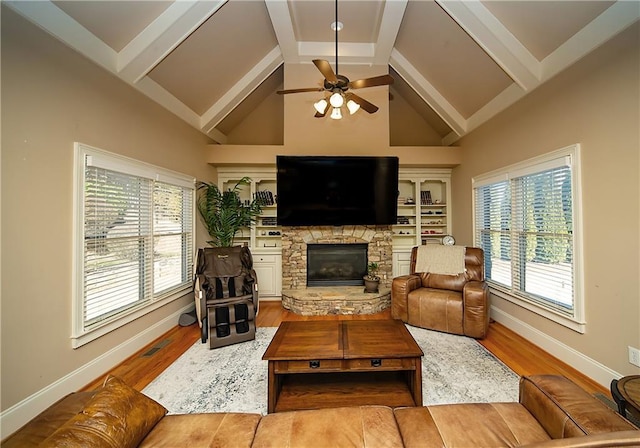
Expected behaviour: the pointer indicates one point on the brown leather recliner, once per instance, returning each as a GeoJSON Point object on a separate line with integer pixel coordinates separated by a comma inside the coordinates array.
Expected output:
{"type": "Point", "coordinates": [456, 304]}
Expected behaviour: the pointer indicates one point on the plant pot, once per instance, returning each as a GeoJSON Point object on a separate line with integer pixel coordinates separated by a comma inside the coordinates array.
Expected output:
{"type": "Point", "coordinates": [371, 285]}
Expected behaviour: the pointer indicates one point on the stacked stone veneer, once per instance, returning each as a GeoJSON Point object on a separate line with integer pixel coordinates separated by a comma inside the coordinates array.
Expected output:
{"type": "Point", "coordinates": [294, 249]}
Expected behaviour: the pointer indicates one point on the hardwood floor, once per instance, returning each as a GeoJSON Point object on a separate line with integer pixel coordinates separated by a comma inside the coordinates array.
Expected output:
{"type": "Point", "coordinates": [523, 357]}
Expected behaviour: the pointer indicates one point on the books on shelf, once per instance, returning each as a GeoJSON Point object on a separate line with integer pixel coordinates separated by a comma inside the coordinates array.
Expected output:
{"type": "Point", "coordinates": [425, 198]}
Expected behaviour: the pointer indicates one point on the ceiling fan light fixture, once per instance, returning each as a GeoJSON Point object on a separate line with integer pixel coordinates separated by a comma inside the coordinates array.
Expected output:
{"type": "Point", "coordinates": [321, 106]}
{"type": "Point", "coordinates": [336, 114]}
{"type": "Point", "coordinates": [336, 100]}
{"type": "Point", "coordinates": [352, 106]}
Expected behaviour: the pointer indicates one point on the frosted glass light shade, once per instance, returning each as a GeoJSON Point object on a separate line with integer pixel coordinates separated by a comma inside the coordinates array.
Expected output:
{"type": "Point", "coordinates": [336, 100]}
{"type": "Point", "coordinates": [336, 114]}
{"type": "Point", "coordinates": [321, 106]}
{"type": "Point", "coordinates": [352, 106]}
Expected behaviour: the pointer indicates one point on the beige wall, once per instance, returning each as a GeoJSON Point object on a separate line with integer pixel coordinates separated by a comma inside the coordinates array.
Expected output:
{"type": "Point", "coordinates": [52, 97]}
{"type": "Point", "coordinates": [595, 103]}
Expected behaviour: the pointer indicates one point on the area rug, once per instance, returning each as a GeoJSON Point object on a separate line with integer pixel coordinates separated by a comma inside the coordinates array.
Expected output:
{"type": "Point", "coordinates": [455, 369]}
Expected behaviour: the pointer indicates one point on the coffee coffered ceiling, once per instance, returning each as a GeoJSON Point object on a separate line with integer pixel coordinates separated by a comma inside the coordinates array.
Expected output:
{"type": "Point", "coordinates": [457, 63]}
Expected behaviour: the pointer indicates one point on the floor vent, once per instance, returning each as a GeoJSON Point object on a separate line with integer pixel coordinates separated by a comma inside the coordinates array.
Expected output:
{"type": "Point", "coordinates": [155, 348]}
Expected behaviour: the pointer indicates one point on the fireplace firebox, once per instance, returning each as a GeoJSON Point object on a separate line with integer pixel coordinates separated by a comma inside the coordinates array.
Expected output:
{"type": "Point", "coordinates": [336, 264]}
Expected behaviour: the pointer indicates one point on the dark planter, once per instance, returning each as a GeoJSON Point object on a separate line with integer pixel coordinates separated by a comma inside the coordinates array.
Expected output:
{"type": "Point", "coordinates": [371, 285]}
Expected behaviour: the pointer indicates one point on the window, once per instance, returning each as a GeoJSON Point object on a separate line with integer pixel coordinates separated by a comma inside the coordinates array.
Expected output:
{"type": "Point", "coordinates": [527, 222]}
{"type": "Point", "coordinates": [134, 240]}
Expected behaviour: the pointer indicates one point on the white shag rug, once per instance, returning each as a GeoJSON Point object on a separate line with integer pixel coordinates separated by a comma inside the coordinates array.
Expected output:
{"type": "Point", "coordinates": [455, 369]}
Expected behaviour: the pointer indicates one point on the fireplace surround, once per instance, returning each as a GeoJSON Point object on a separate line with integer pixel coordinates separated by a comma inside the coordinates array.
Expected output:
{"type": "Point", "coordinates": [311, 300]}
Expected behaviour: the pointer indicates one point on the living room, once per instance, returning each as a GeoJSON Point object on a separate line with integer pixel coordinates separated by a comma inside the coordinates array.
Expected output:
{"type": "Point", "coordinates": [53, 97]}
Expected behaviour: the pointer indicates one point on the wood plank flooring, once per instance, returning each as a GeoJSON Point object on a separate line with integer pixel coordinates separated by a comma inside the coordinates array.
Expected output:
{"type": "Point", "coordinates": [523, 357]}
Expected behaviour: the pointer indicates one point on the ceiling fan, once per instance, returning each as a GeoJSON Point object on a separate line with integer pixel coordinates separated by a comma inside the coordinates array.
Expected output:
{"type": "Point", "coordinates": [339, 85]}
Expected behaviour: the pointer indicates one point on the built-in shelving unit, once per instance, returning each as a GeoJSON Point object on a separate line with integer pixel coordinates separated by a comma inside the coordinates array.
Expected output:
{"type": "Point", "coordinates": [423, 201]}
{"type": "Point", "coordinates": [424, 198]}
{"type": "Point", "coordinates": [264, 238]}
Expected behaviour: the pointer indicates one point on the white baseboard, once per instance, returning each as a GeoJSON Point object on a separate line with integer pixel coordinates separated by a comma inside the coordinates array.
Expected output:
{"type": "Point", "coordinates": [19, 414]}
{"type": "Point", "coordinates": [579, 361]}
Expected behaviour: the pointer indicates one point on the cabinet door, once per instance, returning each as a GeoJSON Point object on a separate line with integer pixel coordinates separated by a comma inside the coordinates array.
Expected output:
{"type": "Point", "coordinates": [268, 270]}
{"type": "Point", "coordinates": [401, 263]}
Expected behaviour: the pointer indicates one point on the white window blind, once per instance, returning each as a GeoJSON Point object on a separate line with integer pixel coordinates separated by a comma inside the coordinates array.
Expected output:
{"type": "Point", "coordinates": [525, 223]}
{"type": "Point", "coordinates": [137, 239]}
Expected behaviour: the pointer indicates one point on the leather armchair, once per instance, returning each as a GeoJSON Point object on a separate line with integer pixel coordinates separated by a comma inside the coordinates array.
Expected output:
{"type": "Point", "coordinates": [456, 304]}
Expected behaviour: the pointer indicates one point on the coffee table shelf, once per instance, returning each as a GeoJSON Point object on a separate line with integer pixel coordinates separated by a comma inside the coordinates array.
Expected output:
{"type": "Point", "coordinates": [322, 390]}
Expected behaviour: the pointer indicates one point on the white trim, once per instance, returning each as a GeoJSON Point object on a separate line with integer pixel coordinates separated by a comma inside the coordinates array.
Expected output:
{"type": "Point", "coordinates": [20, 413]}
{"type": "Point", "coordinates": [579, 361]}
{"type": "Point", "coordinates": [578, 326]}
{"type": "Point", "coordinates": [88, 335]}
{"type": "Point", "coordinates": [81, 335]}
{"type": "Point", "coordinates": [567, 156]}
{"type": "Point", "coordinates": [116, 162]}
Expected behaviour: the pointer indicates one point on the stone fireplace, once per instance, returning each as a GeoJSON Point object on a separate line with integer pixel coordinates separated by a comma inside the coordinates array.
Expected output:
{"type": "Point", "coordinates": [308, 300]}
{"type": "Point", "coordinates": [378, 239]}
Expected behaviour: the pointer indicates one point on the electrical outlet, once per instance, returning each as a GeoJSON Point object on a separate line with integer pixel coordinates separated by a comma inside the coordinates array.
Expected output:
{"type": "Point", "coordinates": [634, 356]}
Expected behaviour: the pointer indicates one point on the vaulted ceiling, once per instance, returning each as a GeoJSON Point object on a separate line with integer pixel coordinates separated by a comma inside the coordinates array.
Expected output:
{"type": "Point", "coordinates": [457, 63]}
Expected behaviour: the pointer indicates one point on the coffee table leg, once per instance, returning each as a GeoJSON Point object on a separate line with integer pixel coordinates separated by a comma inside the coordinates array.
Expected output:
{"type": "Point", "coordinates": [272, 389]}
{"type": "Point", "coordinates": [417, 383]}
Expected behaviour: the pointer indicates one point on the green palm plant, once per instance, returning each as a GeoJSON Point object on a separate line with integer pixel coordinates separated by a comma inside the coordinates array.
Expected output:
{"type": "Point", "coordinates": [224, 213]}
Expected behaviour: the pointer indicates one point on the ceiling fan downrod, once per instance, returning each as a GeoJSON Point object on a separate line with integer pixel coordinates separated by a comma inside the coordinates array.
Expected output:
{"type": "Point", "coordinates": [337, 29]}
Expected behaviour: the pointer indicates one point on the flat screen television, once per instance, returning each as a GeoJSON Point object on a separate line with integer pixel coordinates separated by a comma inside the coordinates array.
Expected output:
{"type": "Point", "coordinates": [340, 190]}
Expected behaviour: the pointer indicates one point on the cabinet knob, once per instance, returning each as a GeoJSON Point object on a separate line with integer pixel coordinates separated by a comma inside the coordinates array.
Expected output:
{"type": "Point", "coordinates": [314, 364]}
{"type": "Point", "coordinates": [376, 362]}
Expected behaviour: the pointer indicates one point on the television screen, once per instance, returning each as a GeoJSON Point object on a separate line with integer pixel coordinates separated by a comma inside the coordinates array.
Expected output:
{"type": "Point", "coordinates": [342, 190]}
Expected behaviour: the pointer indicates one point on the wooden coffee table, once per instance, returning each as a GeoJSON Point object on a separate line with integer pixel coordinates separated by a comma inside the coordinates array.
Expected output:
{"type": "Point", "coordinates": [319, 364]}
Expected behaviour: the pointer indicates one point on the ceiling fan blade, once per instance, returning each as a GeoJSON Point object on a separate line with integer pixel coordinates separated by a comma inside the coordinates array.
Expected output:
{"type": "Point", "coordinates": [308, 89]}
{"type": "Point", "coordinates": [382, 80]}
{"type": "Point", "coordinates": [326, 70]}
{"type": "Point", "coordinates": [366, 105]}
{"type": "Point", "coordinates": [319, 115]}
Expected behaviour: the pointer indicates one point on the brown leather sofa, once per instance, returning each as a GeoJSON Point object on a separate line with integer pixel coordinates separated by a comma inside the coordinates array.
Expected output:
{"type": "Point", "coordinates": [551, 412]}
{"type": "Point", "coordinates": [456, 304]}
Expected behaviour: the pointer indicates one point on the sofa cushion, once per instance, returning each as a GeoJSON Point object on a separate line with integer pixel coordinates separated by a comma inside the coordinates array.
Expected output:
{"type": "Point", "coordinates": [117, 416]}
{"type": "Point", "coordinates": [472, 425]}
{"type": "Point", "coordinates": [437, 309]}
{"type": "Point", "coordinates": [363, 426]}
{"type": "Point", "coordinates": [203, 431]}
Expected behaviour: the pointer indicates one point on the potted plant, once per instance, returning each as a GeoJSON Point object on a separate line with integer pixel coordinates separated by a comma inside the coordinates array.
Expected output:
{"type": "Point", "coordinates": [371, 280]}
{"type": "Point", "coordinates": [224, 213]}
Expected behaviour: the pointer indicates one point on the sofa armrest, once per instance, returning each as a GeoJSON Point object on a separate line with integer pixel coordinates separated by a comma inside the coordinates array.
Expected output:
{"type": "Point", "coordinates": [605, 440]}
{"type": "Point", "coordinates": [475, 296]}
{"type": "Point", "coordinates": [565, 410]}
{"type": "Point", "coordinates": [400, 289]}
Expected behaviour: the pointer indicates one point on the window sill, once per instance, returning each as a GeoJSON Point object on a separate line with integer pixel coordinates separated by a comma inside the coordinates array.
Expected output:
{"type": "Point", "coordinates": [82, 338]}
{"type": "Point", "coordinates": [574, 324]}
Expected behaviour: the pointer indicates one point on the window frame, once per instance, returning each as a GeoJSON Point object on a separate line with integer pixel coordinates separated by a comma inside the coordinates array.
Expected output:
{"type": "Point", "coordinates": [80, 333]}
{"type": "Point", "coordinates": [570, 156]}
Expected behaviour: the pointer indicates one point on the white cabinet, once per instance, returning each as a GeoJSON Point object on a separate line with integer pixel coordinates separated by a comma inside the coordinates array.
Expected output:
{"type": "Point", "coordinates": [401, 262]}
{"type": "Point", "coordinates": [268, 268]}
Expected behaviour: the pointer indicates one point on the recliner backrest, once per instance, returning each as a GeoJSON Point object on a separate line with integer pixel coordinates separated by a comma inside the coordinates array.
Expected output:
{"type": "Point", "coordinates": [474, 271]}
{"type": "Point", "coordinates": [228, 271]}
